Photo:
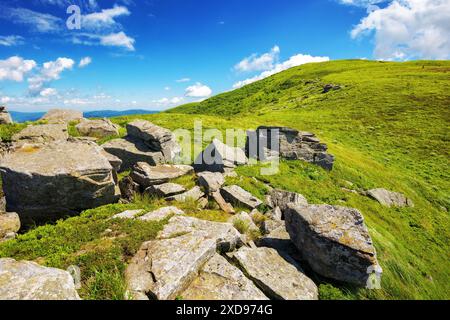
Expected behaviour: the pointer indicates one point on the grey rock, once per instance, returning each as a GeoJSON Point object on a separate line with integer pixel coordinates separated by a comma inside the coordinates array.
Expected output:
{"type": "Point", "coordinates": [219, 157]}
{"type": "Point", "coordinates": [333, 240]}
{"type": "Point", "coordinates": [147, 175]}
{"type": "Point", "coordinates": [269, 225]}
{"type": "Point", "coordinates": [211, 181]}
{"type": "Point", "coordinates": [192, 195]}
{"type": "Point", "coordinates": [329, 87]}
{"type": "Point", "coordinates": [41, 134]}
{"type": "Point", "coordinates": [389, 198]}
{"type": "Point", "coordinates": [5, 117]}
{"type": "Point", "coordinates": [238, 196]}
{"type": "Point", "coordinates": [281, 198]}
{"type": "Point", "coordinates": [9, 223]}
{"type": "Point", "coordinates": [100, 128]}
{"type": "Point", "coordinates": [62, 116]}
{"type": "Point", "coordinates": [225, 206]}
{"type": "Point", "coordinates": [129, 214]}
{"type": "Point", "coordinates": [161, 214]}
{"type": "Point", "coordinates": [275, 276]}
{"type": "Point", "coordinates": [131, 151]}
{"type": "Point", "coordinates": [245, 218]}
{"type": "Point", "coordinates": [24, 280]}
{"type": "Point", "coordinates": [128, 188]}
{"type": "Point", "coordinates": [219, 280]}
{"type": "Point", "coordinates": [58, 179]}
{"type": "Point", "coordinates": [165, 190]}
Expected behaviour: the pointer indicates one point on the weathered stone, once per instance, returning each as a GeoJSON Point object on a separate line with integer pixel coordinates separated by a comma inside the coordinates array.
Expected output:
{"type": "Point", "coordinates": [275, 214]}
{"type": "Point", "coordinates": [24, 280]}
{"type": "Point", "coordinates": [238, 196]}
{"type": "Point", "coordinates": [165, 190]}
{"type": "Point", "coordinates": [269, 225]}
{"type": "Point", "coordinates": [191, 195]}
{"type": "Point", "coordinates": [62, 116]}
{"type": "Point", "coordinates": [131, 151]}
{"type": "Point", "coordinates": [281, 198]}
{"type": "Point", "coordinates": [334, 240]}
{"type": "Point", "coordinates": [245, 218]}
{"type": "Point", "coordinates": [324, 160]}
{"type": "Point", "coordinates": [129, 214]}
{"type": "Point", "coordinates": [164, 268]}
{"type": "Point", "coordinates": [100, 128]}
{"type": "Point", "coordinates": [9, 222]}
{"type": "Point", "coordinates": [219, 280]}
{"type": "Point", "coordinates": [219, 157]}
{"type": "Point", "coordinates": [203, 203]}
{"type": "Point", "coordinates": [275, 276]}
{"type": "Point", "coordinates": [390, 198]}
{"type": "Point", "coordinates": [5, 117]}
{"type": "Point", "coordinates": [225, 206]}
{"type": "Point", "coordinates": [157, 138]}
{"type": "Point", "coordinates": [147, 175]}
{"type": "Point", "coordinates": [128, 188]}
{"type": "Point", "coordinates": [328, 87]}
{"type": "Point", "coordinates": [161, 214]}
{"type": "Point", "coordinates": [280, 240]}
{"type": "Point", "coordinates": [57, 179]}
{"type": "Point", "coordinates": [211, 181]}
{"type": "Point", "coordinates": [41, 134]}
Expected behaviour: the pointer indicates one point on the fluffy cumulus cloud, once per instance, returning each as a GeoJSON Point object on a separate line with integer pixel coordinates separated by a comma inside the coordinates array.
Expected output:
{"type": "Point", "coordinates": [5, 100]}
{"type": "Point", "coordinates": [85, 62]}
{"type": "Point", "coordinates": [15, 68]}
{"type": "Point", "coordinates": [48, 92]}
{"type": "Point", "coordinates": [119, 39]}
{"type": "Point", "coordinates": [293, 61]}
{"type": "Point", "coordinates": [198, 90]}
{"type": "Point", "coordinates": [259, 62]}
{"type": "Point", "coordinates": [409, 29]}
{"type": "Point", "coordinates": [9, 41]}
{"type": "Point", "coordinates": [50, 71]}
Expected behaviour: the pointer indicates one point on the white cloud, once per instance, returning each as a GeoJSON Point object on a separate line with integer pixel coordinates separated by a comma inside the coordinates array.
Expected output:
{"type": "Point", "coordinates": [118, 40]}
{"type": "Point", "coordinates": [167, 88]}
{"type": "Point", "coordinates": [198, 91]}
{"type": "Point", "coordinates": [47, 92]}
{"type": "Point", "coordinates": [5, 100]}
{"type": "Point", "coordinates": [409, 29]}
{"type": "Point", "coordinates": [14, 68]}
{"type": "Point", "coordinates": [78, 102]}
{"type": "Point", "coordinates": [293, 61]}
{"type": "Point", "coordinates": [50, 70]}
{"type": "Point", "coordinates": [104, 18]}
{"type": "Point", "coordinates": [259, 63]}
{"type": "Point", "coordinates": [85, 62]}
{"type": "Point", "coordinates": [361, 3]}
{"type": "Point", "coordinates": [9, 41]}
{"type": "Point", "coordinates": [40, 22]}
{"type": "Point", "coordinates": [183, 80]}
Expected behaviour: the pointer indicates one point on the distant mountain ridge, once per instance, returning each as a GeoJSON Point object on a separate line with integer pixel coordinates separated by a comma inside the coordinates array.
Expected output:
{"type": "Point", "coordinates": [33, 116]}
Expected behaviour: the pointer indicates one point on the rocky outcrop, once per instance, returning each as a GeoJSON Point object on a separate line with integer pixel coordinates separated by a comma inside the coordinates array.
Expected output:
{"type": "Point", "coordinates": [389, 198]}
{"type": "Point", "coordinates": [41, 134]}
{"type": "Point", "coordinates": [157, 138]}
{"type": "Point", "coordinates": [276, 277]}
{"type": "Point", "coordinates": [219, 157]}
{"type": "Point", "coordinates": [211, 181]}
{"type": "Point", "coordinates": [9, 225]}
{"type": "Point", "coordinates": [131, 151]}
{"type": "Point", "coordinates": [333, 240]}
{"type": "Point", "coordinates": [147, 175]}
{"type": "Point", "coordinates": [165, 190]}
{"type": "Point", "coordinates": [62, 116]}
{"type": "Point", "coordinates": [219, 280]}
{"type": "Point", "coordinates": [288, 143]}
{"type": "Point", "coordinates": [58, 179]}
{"type": "Point", "coordinates": [97, 128]}
{"type": "Point", "coordinates": [5, 117]}
{"type": "Point", "coordinates": [24, 280]}
{"type": "Point", "coordinates": [238, 196]}
{"type": "Point", "coordinates": [163, 268]}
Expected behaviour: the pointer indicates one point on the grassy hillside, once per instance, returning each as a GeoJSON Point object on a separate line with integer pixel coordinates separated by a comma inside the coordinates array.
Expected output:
{"type": "Point", "coordinates": [388, 126]}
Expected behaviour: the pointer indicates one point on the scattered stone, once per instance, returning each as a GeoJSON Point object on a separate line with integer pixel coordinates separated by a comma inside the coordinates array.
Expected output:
{"type": "Point", "coordinates": [128, 188]}
{"type": "Point", "coordinates": [129, 214]}
{"type": "Point", "coordinates": [9, 223]}
{"type": "Point", "coordinates": [225, 206]}
{"type": "Point", "coordinates": [132, 151]}
{"type": "Point", "coordinates": [62, 116]}
{"type": "Point", "coordinates": [334, 240]}
{"type": "Point", "coordinates": [41, 134]}
{"type": "Point", "coordinates": [211, 181]}
{"type": "Point", "coordinates": [97, 128]}
{"type": "Point", "coordinates": [219, 280]}
{"type": "Point", "coordinates": [5, 117]}
{"type": "Point", "coordinates": [165, 190]}
{"type": "Point", "coordinates": [56, 180]}
{"type": "Point", "coordinates": [245, 218]}
{"type": "Point", "coordinates": [147, 175]}
{"type": "Point", "coordinates": [192, 195]}
{"type": "Point", "coordinates": [276, 277]}
{"type": "Point", "coordinates": [238, 196]}
{"type": "Point", "coordinates": [219, 157]}
{"type": "Point", "coordinates": [281, 198]}
{"type": "Point", "coordinates": [157, 138]}
{"type": "Point", "coordinates": [25, 280]}
{"type": "Point", "coordinates": [328, 87]}
{"type": "Point", "coordinates": [161, 214]}
{"type": "Point", "coordinates": [390, 198]}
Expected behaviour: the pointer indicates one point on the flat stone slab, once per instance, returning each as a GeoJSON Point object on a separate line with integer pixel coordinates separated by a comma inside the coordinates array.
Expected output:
{"type": "Point", "coordinates": [25, 280]}
{"type": "Point", "coordinates": [148, 175]}
{"type": "Point", "coordinates": [238, 196]}
{"type": "Point", "coordinates": [219, 280]}
{"type": "Point", "coordinates": [192, 195]}
{"type": "Point", "coordinates": [161, 214]}
{"type": "Point", "coordinates": [40, 134]}
{"type": "Point", "coordinates": [165, 190]}
{"type": "Point", "coordinates": [99, 128]}
{"type": "Point", "coordinates": [389, 198]}
{"type": "Point", "coordinates": [275, 276]}
{"type": "Point", "coordinates": [62, 116]}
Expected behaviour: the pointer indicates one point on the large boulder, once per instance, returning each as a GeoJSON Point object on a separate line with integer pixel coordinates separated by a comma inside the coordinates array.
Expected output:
{"type": "Point", "coordinates": [62, 116]}
{"type": "Point", "coordinates": [157, 138]}
{"type": "Point", "coordinates": [277, 278]}
{"type": "Point", "coordinates": [57, 179]}
{"type": "Point", "coordinates": [25, 280]}
{"type": "Point", "coordinates": [333, 240]}
{"type": "Point", "coordinates": [131, 151]}
{"type": "Point", "coordinates": [219, 157]}
{"type": "Point", "coordinates": [389, 198]}
{"type": "Point", "coordinates": [240, 197]}
{"type": "Point", "coordinates": [220, 280]}
{"type": "Point", "coordinates": [148, 175]}
{"type": "Point", "coordinates": [5, 117]}
{"type": "Point", "coordinates": [41, 134]}
{"type": "Point", "coordinates": [163, 268]}
{"type": "Point", "coordinates": [100, 128]}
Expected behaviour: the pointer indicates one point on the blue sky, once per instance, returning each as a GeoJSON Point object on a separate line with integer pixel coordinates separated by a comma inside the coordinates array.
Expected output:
{"type": "Point", "coordinates": [155, 54]}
